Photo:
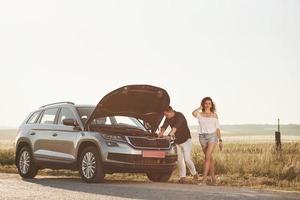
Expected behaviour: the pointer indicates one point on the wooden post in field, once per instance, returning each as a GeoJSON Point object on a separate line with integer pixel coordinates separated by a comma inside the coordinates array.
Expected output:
{"type": "Point", "coordinates": [278, 137]}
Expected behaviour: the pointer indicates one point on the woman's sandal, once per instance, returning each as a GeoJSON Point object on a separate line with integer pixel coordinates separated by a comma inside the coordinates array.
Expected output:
{"type": "Point", "coordinates": [213, 181]}
{"type": "Point", "coordinates": [203, 182]}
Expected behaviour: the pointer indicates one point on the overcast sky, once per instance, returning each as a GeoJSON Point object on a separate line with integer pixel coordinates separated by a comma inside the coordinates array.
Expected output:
{"type": "Point", "coordinates": [244, 54]}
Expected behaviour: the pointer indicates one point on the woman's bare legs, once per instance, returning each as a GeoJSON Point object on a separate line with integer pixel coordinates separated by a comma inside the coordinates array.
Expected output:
{"type": "Point", "coordinates": [209, 162]}
{"type": "Point", "coordinates": [204, 151]}
{"type": "Point", "coordinates": [212, 170]}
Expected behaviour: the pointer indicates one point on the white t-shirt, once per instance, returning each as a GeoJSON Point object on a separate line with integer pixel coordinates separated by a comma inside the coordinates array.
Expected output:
{"type": "Point", "coordinates": [208, 124]}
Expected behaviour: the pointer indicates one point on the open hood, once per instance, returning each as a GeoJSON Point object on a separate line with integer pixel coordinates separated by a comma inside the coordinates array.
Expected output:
{"type": "Point", "coordinates": [143, 102]}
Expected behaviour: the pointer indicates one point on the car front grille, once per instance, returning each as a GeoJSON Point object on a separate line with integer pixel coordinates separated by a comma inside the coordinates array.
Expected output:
{"type": "Point", "coordinates": [156, 143]}
{"type": "Point", "coordinates": [139, 160]}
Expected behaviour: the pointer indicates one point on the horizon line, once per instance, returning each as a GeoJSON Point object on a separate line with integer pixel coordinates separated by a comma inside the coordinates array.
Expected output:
{"type": "Point", "coordinates": [242, 124]}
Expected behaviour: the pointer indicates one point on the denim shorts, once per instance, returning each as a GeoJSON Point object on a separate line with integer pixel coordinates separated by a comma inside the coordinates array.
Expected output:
{"type": "Point", "coordinates": [206, 138]}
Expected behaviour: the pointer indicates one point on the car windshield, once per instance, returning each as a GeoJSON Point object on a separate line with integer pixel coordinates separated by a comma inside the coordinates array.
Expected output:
{"type": "Point", "coordinates": [121, 121]}
{"type": "Point", "coordinates": [85, 113]}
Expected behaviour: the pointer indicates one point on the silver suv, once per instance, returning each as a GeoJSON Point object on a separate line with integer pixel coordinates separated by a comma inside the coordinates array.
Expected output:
{"type": "Point", "coordinates": [117, 135]}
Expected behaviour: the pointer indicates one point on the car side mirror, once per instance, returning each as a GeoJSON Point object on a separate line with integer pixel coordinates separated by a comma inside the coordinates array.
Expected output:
{"type": "Point", "coordinates": [70, 122]}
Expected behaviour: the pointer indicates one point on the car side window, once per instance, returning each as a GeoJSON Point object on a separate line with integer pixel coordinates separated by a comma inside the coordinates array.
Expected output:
{"type": "Point", "coordinates": [49, 116]}
{"type": "Point", "coordinates": [65, 113]}
{"type": "Point", "coordinates": [32, 119]}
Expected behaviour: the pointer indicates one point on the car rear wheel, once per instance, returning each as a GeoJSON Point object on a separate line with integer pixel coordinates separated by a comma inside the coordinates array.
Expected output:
{"type": "Point", "coordinates": [25, 163]}
{"type": "Point", "coordinates": [159, 176]}
{"type": "Point", "coordinates": [90, 165]}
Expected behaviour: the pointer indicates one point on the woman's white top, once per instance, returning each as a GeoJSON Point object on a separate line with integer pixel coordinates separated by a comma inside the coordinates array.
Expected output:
{"type": "Point", "coordinates": [208, 124]}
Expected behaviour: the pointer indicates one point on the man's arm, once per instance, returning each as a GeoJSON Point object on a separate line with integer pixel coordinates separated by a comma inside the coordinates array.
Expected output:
{"type": "Point", "coordinates": [172, 133]}
{"type": "Point", "coordinates": [178, 123]}
{"type": "Point", "coordinates": [163, 128]}
{"type": "Point", "coordinates": [161, 132]}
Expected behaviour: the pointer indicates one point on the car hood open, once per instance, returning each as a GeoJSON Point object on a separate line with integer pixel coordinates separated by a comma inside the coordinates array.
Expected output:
{"type": "Point", "coordinates": [143, 102]}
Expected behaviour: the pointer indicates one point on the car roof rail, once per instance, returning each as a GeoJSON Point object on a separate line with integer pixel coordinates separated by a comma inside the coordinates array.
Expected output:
{"type": "Point", "coordinates": [62, 102]}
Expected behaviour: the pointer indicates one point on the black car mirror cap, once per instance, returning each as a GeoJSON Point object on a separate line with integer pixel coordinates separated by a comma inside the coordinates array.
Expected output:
{"type": "Point", "coordinates": [70, 122]}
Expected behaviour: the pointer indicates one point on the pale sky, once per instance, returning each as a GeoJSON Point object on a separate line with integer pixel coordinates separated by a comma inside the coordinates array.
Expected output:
{"type": "Point", "coordinates": [244, 54]}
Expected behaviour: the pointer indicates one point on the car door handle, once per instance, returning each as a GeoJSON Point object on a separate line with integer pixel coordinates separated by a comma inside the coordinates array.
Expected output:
{"type": "Point", "coordinates": [54, 134]}
{"type": "Point", "coordinates": [33, 133]}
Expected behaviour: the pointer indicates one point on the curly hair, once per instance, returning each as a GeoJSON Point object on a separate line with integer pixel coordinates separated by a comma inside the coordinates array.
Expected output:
{"type": "Point", "coordinates": [213, 106]}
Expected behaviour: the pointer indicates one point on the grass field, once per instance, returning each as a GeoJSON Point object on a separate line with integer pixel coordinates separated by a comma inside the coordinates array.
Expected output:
{"type": "Point", "coordinates": [231, 134]}
{"type": "Point", "coordinates": [246, 160]}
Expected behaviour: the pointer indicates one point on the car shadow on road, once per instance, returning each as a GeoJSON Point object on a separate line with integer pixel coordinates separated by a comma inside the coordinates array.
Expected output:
{"type": "Point", "coordinates": [149, 190]}
{"type": "Point", "coordinates": [119, 188]}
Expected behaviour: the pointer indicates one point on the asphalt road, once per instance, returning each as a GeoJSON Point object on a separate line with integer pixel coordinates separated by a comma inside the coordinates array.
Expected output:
{"type": "Point", "coordinates": [46, 188]}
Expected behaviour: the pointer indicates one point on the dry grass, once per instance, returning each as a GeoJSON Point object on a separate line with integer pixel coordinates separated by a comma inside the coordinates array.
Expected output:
{"type": "Point", "coordinates": [254, 165]}
{"type": "Point", "coordinates": [7, 157]}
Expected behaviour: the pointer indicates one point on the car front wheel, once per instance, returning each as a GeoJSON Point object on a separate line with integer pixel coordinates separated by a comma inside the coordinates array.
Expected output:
{"type": "Point", "coordinates": [159, 176]}
{"type": "Point", "coordinates": [90, 166]}
{"type": "Point", "coordinates": [25, 163]}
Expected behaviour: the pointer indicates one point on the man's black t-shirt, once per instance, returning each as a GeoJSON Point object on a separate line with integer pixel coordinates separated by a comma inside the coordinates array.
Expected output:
{"type": "Point", "coordinates": [179, 122]}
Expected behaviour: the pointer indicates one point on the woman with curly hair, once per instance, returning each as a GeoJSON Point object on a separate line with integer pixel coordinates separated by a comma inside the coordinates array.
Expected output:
{"type": "Point", "coordinates": [209, 135]}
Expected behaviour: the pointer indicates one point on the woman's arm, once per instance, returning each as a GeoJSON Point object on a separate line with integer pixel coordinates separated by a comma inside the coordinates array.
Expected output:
{"type": "Point", "coordinates": [219, 133]}
{"type": "Point", "coordinates": [196, 112]}
{"type": "Point", "coordinates": [220, 139]}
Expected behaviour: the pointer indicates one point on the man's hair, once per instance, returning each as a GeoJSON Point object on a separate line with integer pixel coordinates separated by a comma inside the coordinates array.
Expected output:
{"type": "Point", "coordinates": [168, 109]}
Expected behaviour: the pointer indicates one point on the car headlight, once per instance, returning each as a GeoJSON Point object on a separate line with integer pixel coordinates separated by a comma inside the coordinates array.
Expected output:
{"type": "Point", "coordinates": [119, 138]}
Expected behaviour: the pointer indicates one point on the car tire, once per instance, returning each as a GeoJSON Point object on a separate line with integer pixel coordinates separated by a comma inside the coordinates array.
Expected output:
{"type": "Point", "coordinates": [25, 163]}
{"type": "Point", "coordinates": [90, 165]}
{"type": "Point", "coordinates": [159, 177]}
